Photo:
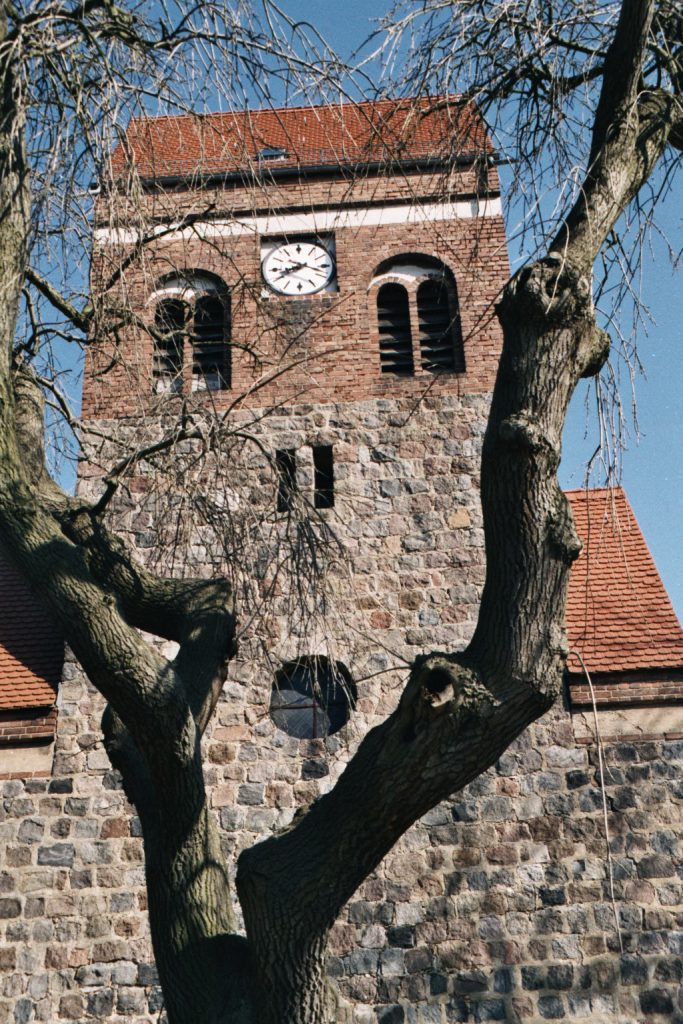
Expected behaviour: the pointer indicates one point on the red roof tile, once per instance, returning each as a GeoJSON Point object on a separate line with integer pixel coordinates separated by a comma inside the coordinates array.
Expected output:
{"type": "Point", "coordinates": [315, 135]}
{"type": "Point", "coordinates": [619, 616]}
{"type": "Point", "coordinates": [31, 650]}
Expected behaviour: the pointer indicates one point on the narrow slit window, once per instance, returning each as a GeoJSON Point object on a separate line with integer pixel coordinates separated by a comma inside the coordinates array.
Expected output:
{"type": "Point", "coordinates": [323, 476]}
{"type": "Point", "coordinates": [169, 321]}
{"type": "Point", "coordinates": [393, 321]}
{"type": "Point", "coordinates": [210, 351]}
{"type": "Point", "coordinates": [440, 337]}
{"type": "Point", "coordinates": [285, 462]}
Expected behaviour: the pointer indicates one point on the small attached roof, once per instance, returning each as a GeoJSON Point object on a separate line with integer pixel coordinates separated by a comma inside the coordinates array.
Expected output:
{"type": "Point", "coordinates": [619, 616]}
{"type": "Point", "coordinates": [31, 648]}
{"type": "Point", "coordinates": [329, 135]}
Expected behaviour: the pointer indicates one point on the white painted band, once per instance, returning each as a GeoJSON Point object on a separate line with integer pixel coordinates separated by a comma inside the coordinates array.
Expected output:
{"type": "Point", "coordinates": [316, 221]}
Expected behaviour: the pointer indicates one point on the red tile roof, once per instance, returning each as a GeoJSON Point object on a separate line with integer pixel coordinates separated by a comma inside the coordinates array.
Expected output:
{"type": "Point", "coordinates": [331, 135]}
{"type": "Point", "coordinates": [31, 650]}
{"type": "Point", "coordinates": [618, 613]}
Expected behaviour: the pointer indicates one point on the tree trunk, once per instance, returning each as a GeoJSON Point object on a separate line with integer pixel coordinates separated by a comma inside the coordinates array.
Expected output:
{"type": "Point", "coordinates": [203, 966]}
{"type": "Point", "coordinates": [458, 712]}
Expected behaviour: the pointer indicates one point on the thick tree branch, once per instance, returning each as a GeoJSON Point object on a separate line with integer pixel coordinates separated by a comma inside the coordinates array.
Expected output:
{"type": "Point", "coordinates": [622, 73]}
{"type": "Point", "coordinates": [156, 604]}
{"type": "Point", "coordinates": [80, 318]}
{"type": "Point", "coordinates": [631, 151]}
{"type": "Point", "coordinates": [631, 128]}
{"type": "Point", "coordinates": [156, 708]}
{"type": "Point", "coordinates": [197, 614]}
{"type": "Point", "coordinates": [447, 729]}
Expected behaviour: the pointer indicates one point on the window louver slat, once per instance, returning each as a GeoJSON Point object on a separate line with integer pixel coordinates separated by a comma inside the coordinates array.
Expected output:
{"type": "Point", "coordinates": [169, 320]}
{"type": "Point", "coordinates": [440, 341]}
{"type": "Point", "coordinates": [393, 320]}
{"type": "Point", "coordinates": [206, 325]}
{"type": "Point", "coordinates": [210, 354]}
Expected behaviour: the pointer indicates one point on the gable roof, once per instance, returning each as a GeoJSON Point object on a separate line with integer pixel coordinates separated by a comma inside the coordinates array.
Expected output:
{"type": "Point", "coordinates": [330, 135]}
{"type": "Point", "coordinates": [31, 649]}
{"type": "Point", "coordinates": [619, 616]}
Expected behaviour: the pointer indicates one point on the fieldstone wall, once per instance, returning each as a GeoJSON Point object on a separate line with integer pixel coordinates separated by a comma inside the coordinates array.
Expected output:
{"type": "Point", "coordinates": [533, 895]}
{"type": "Point", "coordinates": [497, 906]}
{"type": "Point", "coordinates": [394, 568]}
{"type": "Point", "coordinates": [75, 942]}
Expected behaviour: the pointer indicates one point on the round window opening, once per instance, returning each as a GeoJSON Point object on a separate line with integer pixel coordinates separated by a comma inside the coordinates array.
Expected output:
{"type": "Point", "coordinates": [312, 697]}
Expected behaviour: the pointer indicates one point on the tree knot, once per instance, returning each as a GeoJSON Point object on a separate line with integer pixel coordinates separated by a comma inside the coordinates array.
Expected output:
{"type": "Point", "coordinates": [550, 291]}
{"type": "Point", "coordinates": [78, 525]}
{"type": "Point", "coordinates": [442, 683]}
{"type": "Point", "coordinates": [523, 432]}
{"type": "Point", "coordinates": [561, 532]}
{"type": "Point", "coordinates": [439, 683]}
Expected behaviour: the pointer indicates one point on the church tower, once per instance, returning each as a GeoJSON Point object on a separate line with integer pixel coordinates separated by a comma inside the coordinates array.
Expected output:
{"type": "Point", "coordinates": [312, 290]}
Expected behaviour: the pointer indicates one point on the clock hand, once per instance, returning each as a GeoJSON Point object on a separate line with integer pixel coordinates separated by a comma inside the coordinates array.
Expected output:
{"type": "Point", "coordinates": [290, 270]}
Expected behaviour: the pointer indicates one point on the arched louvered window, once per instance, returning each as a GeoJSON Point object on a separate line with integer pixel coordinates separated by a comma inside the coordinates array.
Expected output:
{"type": "Point", "coordinates": [210, 353]}
{"type": "Point", "coordinates": [169, 321]}
{"type": "Point", "coordinates": [439, 326]}
{"type": "Point", "coordinates": [393, 320]}
{"type": "Point", "coordinates": [195, 310]}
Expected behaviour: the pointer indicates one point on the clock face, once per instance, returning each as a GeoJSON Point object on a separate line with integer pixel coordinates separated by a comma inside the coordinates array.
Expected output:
{"type": "Point", "coordinates": [298, 268]}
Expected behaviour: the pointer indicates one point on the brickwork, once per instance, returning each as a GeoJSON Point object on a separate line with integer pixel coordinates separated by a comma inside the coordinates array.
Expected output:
{"type": "Point", "coordinates": [630, 688]}
{"type": "Point", "coordinates": [267, 194]}
{"type": "Point", "coordinates": [328, 341]}
{"type": "Point", "coordinates": [32, 724]}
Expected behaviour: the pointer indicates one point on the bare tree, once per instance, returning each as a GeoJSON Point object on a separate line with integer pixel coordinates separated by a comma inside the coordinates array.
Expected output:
{"type": "Point", "coordinates": [614, 74]}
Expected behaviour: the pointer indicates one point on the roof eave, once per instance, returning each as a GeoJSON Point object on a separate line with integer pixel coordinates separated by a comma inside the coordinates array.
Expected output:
{"type": "Point", "coordinates": [270, 172]}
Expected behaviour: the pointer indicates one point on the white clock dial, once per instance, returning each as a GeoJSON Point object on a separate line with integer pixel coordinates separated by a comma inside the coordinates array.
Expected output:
{"type": "Point", "coordinates": [298, 268]}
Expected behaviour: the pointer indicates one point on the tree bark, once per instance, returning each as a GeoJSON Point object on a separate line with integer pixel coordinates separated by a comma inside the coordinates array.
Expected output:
{"type": "Point", "coordinates": [203, 965]}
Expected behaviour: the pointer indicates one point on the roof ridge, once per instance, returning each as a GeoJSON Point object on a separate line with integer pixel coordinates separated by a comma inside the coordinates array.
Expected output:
{"type": "Point", "coordinates": [604, 488]}
{"type": "Point", "coordinates": [192, 115]}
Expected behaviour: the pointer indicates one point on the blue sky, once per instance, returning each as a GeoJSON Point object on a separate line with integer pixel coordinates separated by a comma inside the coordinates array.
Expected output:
{"type": "Point", "coordinates": [652, 464]}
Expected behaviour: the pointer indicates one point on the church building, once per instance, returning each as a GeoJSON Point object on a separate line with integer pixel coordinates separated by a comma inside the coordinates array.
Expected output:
{"type": "Point", "coordinates": [291, 387]}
